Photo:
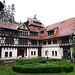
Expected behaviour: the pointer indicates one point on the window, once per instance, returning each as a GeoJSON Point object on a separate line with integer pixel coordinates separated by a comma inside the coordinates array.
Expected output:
{"type": "Point", "coordinates": [10, 54]}
{"type": "Point", "coordinates": [55, 53]}
{"type": "Point", "coordinates": [23, 33]}
{"type": "Point", "coordinates": [6, 54]}
{"type": "Point", "coordinates": [31, 52]}
{"type": "Point", "coordinates": [37, 23]}
{"type": "Point", "coordinates": [23, 41]}
{"type": "Point", "coordinates": [10, 33]}
{"type": "Point", "coordinates": [45, 52]}
{"type": "Point", "coordinates": [34, 52]}
{"type": "Point", "coordinates": [51, 32]}
{"type": "Point", "coordinates": [49, 42]}
{"type": "Point", "coordinates": [42, 32]}
{"type": "Point", "coordinates": [54, 41]}
{"type": "Point", "coordinates": [44, 42]}
{"type": "Point", "coordinates": [34, 42]}
{"type": "Point", "coordinates": [23, 26]}
{"type": "Point", "coordinates": [34, 34]}
{"type": "Point", "coordinates": [9, 40]}
{"type": "Point", "coordinates": [52, 53]}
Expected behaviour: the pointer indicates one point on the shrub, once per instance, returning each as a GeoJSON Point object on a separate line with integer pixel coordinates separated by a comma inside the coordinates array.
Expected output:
{"type": "Point", "coordinates": [42, 68]}
{"type": "Point", "coordinates": [39, 66]}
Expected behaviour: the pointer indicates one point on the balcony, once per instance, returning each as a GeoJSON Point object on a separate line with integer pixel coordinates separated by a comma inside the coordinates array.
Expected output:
{"type": "Point", "coordinates": [18, 45]}
{"type": "Point", "coordinates": [66, 44]}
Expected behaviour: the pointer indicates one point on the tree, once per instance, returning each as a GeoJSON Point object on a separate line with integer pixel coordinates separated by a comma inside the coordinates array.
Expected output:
{"type": "Point", "coordinates": [7, 14]}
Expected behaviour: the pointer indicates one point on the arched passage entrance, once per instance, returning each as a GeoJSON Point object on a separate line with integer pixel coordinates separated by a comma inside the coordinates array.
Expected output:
{"type": "Point", "coordinates": [22, 52]}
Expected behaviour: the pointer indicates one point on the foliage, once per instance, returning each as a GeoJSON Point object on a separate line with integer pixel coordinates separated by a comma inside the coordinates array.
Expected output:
{"type": "Point", "coordinates": [7, 14]}
{"type": "Point", "coordinates": [39, 66]}
{"type": "Point", "coordinates": [15, 22]}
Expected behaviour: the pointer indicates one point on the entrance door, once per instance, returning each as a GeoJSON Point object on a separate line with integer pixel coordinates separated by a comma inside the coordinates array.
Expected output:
{"type": "Point", "coordinates": [66, 52]}
{"type": "Point", "coordinates": [20, 53]}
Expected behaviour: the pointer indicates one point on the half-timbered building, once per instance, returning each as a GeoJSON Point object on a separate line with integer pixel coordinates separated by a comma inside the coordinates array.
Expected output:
{"type": "Point", "coordinates": [31, 39]}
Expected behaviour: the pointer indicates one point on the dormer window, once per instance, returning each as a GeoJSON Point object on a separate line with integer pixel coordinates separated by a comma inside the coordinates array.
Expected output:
{"type": "Point", "coordinates": [51, 32]}
{"type": "Point", "coordinates": [37, 23]}
{"type": "Point", "coordinates": [42, 32]}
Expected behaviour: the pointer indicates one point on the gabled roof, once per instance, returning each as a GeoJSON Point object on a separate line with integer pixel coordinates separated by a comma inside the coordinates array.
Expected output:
{"type": "Point", "coordinates": [31, 22]}
{"type": "Point", "coordinates": [64, 28]}
{"type": "Point", "coordinates": [8, 25]}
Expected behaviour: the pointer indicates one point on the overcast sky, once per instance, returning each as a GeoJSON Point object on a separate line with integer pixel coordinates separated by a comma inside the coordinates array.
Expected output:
{"type": "Point", "coordinates": [47, 11]}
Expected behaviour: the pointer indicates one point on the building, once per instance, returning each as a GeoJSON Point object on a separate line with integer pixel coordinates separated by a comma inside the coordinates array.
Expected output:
{"type": "Point", "coordinates": [31, 39]}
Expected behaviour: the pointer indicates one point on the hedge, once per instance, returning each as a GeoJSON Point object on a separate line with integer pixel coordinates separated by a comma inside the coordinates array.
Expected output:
{"type": "Point", "coordinates": [42, 69]}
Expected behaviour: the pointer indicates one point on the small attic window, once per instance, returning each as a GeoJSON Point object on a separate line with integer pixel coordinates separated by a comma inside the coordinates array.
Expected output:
{"type": "Point", "coordinates": [51, 32]}
{"type": "Point", "coordinates": [42, 32]}
{"type": "Point", "coordinates": [23, 26]}
{"type": "Point", "coordinates": [37, 23]}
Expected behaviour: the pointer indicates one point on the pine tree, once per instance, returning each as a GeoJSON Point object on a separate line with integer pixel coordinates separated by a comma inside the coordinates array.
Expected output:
{"type": "Point", "coordinates": [7, 14]}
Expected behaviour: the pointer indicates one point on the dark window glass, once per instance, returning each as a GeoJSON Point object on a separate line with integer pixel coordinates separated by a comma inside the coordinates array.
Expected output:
{"type": "Point", "coordinates": [7, 32]}
{"type": "Point", "coordinates": [23, 26]}
{"type": "Point", "coordinates": [10, 54]}
{"type": "Point", "coordinates": [6, 54]}
{"type": "Point", "coordinates": [45, 52]}
{"type": "Point", "coordinates": [9, 40]}
{"type": "Point", "coordinates": [10, 33]}
{"type": "Point", "coordinates": [49, 42]}
{"type": "Point", "coordinates": [34, 52]}
{"type": "Point", "coordinates": [50, 32]}
{"type": "Point", "coordinates": [34, 42]}
{"type": "Point", "coordinates": [54, 41]}
{"type": "Point", "coordinates": [34, 34]}
{"type": "Point", "coordinates": [42, 32]}
{"type": "Point", "coordinates": [37, 23]}
{"type": "Point", "coordinates": [23, 41]}
{"type": "Point", "coordinates": [23, 33]}
{"type": "Point", "coordinates": [31, 52]}
{"type": "Point", "coordinates": [55, 53]}
{"type": "Point", "coordinates": [65, 40]}
{"type": "Point", "coordinates": [44, 42]}
{"type": "Point", "coordinates": [52, 53]}
{"type": "Point", "coordinates": [0, 31]}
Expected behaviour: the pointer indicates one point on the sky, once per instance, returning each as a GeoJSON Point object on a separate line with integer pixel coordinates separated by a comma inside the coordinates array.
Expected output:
{"type": "Point", "coordinates": [47, 11]}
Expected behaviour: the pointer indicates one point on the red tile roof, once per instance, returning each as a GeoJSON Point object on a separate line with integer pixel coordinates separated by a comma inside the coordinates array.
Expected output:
{"type": "Point", "coordinates": [31, 22]}
{"type": "Point", "coordinates": [8, 25]}
{"type": "Point", "coordinates": [64, 28]}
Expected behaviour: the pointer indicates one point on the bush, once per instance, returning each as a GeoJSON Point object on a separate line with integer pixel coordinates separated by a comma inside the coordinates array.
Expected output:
{"type": "Point", "coordinates": [42, 68]}
{"type": "Point", "coordinates": [39, 66]}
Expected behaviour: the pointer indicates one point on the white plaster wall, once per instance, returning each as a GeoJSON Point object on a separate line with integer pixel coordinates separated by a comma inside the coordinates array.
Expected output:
{"type": "Point", "coordinates": [13, 50]}
{"type": "Point", "coordinates": [50, 49]}
{"type": "Point", "coordinates": [29, 52]}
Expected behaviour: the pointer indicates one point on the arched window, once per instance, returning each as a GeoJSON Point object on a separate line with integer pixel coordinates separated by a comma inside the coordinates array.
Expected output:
{"type": "Point", "coordinates": [10, 54]}
{"type": "Point", "coordinates": [6, 54]}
